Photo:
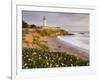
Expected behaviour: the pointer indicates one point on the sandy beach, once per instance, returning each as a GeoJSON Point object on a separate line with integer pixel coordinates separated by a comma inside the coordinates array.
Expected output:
{"type": "Point", "coordinates": [57, 45]}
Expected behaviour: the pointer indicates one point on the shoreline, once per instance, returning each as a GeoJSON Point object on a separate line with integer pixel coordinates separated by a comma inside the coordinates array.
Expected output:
{"type": "Point", "coordinates": [84, 48]}
{"type": "Point", "coordinates": [56, 44]}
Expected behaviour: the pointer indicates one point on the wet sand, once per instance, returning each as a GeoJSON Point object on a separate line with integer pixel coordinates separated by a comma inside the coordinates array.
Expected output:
{"type": "Point", "coordinates": [57, 45]}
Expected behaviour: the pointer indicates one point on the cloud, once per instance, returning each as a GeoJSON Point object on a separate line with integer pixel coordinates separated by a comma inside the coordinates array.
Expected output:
{"type": "Point", "coordinates": [74, 21]}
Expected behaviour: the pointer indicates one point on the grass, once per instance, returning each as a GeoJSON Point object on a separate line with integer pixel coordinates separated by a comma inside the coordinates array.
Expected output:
{"type": "Point", "coordinates": [39, 58]}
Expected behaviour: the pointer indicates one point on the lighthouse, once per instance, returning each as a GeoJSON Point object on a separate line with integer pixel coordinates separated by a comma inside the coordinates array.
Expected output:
{"type": "Point", "coordinates": [44, 21]}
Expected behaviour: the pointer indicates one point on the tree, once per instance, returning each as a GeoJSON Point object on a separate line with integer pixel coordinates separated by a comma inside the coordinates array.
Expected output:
{"type": "Point", "coordinates": [33, 26]}
{"type": "Point", "coordinates": [24, 24]}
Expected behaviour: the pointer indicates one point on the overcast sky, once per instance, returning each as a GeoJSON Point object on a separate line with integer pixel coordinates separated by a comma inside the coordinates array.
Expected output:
{"type": "Point", "coordinates": [70, 21]}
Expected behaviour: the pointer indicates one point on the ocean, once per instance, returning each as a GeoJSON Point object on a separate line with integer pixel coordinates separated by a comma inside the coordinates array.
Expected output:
{"type": "Point", "coordinates": [79, 39]}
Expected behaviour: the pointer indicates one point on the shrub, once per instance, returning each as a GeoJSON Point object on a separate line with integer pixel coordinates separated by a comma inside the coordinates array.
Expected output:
{"type": "Point", "coordinates": [41, 58]}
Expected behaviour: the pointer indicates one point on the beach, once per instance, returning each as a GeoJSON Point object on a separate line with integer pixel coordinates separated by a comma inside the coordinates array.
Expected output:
{"type": "Point", "coordinates": [56, 44]}
{"type": "Point", "coordinates": [76, 44]}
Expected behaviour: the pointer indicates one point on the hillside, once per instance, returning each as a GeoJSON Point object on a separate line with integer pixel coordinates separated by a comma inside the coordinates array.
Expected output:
{"type": "Point", "coordinates": [40, 49]}
{"type": "Point", "coordinates": [35, 37]}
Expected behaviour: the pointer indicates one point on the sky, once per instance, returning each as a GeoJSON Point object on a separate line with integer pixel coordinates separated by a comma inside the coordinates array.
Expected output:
{"type": "Point", "coordinates": [69, 21]}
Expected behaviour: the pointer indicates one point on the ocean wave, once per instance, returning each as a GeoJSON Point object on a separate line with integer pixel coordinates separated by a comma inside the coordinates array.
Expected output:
{"type": "Point", "coordinates": [81, 42]}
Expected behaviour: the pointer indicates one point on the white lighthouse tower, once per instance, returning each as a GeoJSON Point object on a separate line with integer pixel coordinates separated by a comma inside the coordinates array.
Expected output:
{"type": "Point", "coordinates": [44, 21]}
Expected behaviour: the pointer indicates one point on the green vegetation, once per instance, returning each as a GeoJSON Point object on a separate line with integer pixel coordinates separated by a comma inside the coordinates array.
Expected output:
{"type": "Point", "coordinates": [51, 31]}
{"type": "Point", "coordinates": [40, 44]}
{"type": "Point", "coordinates": [24, 24]}
{"type": "Point", "coordinates": [40, 58]}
